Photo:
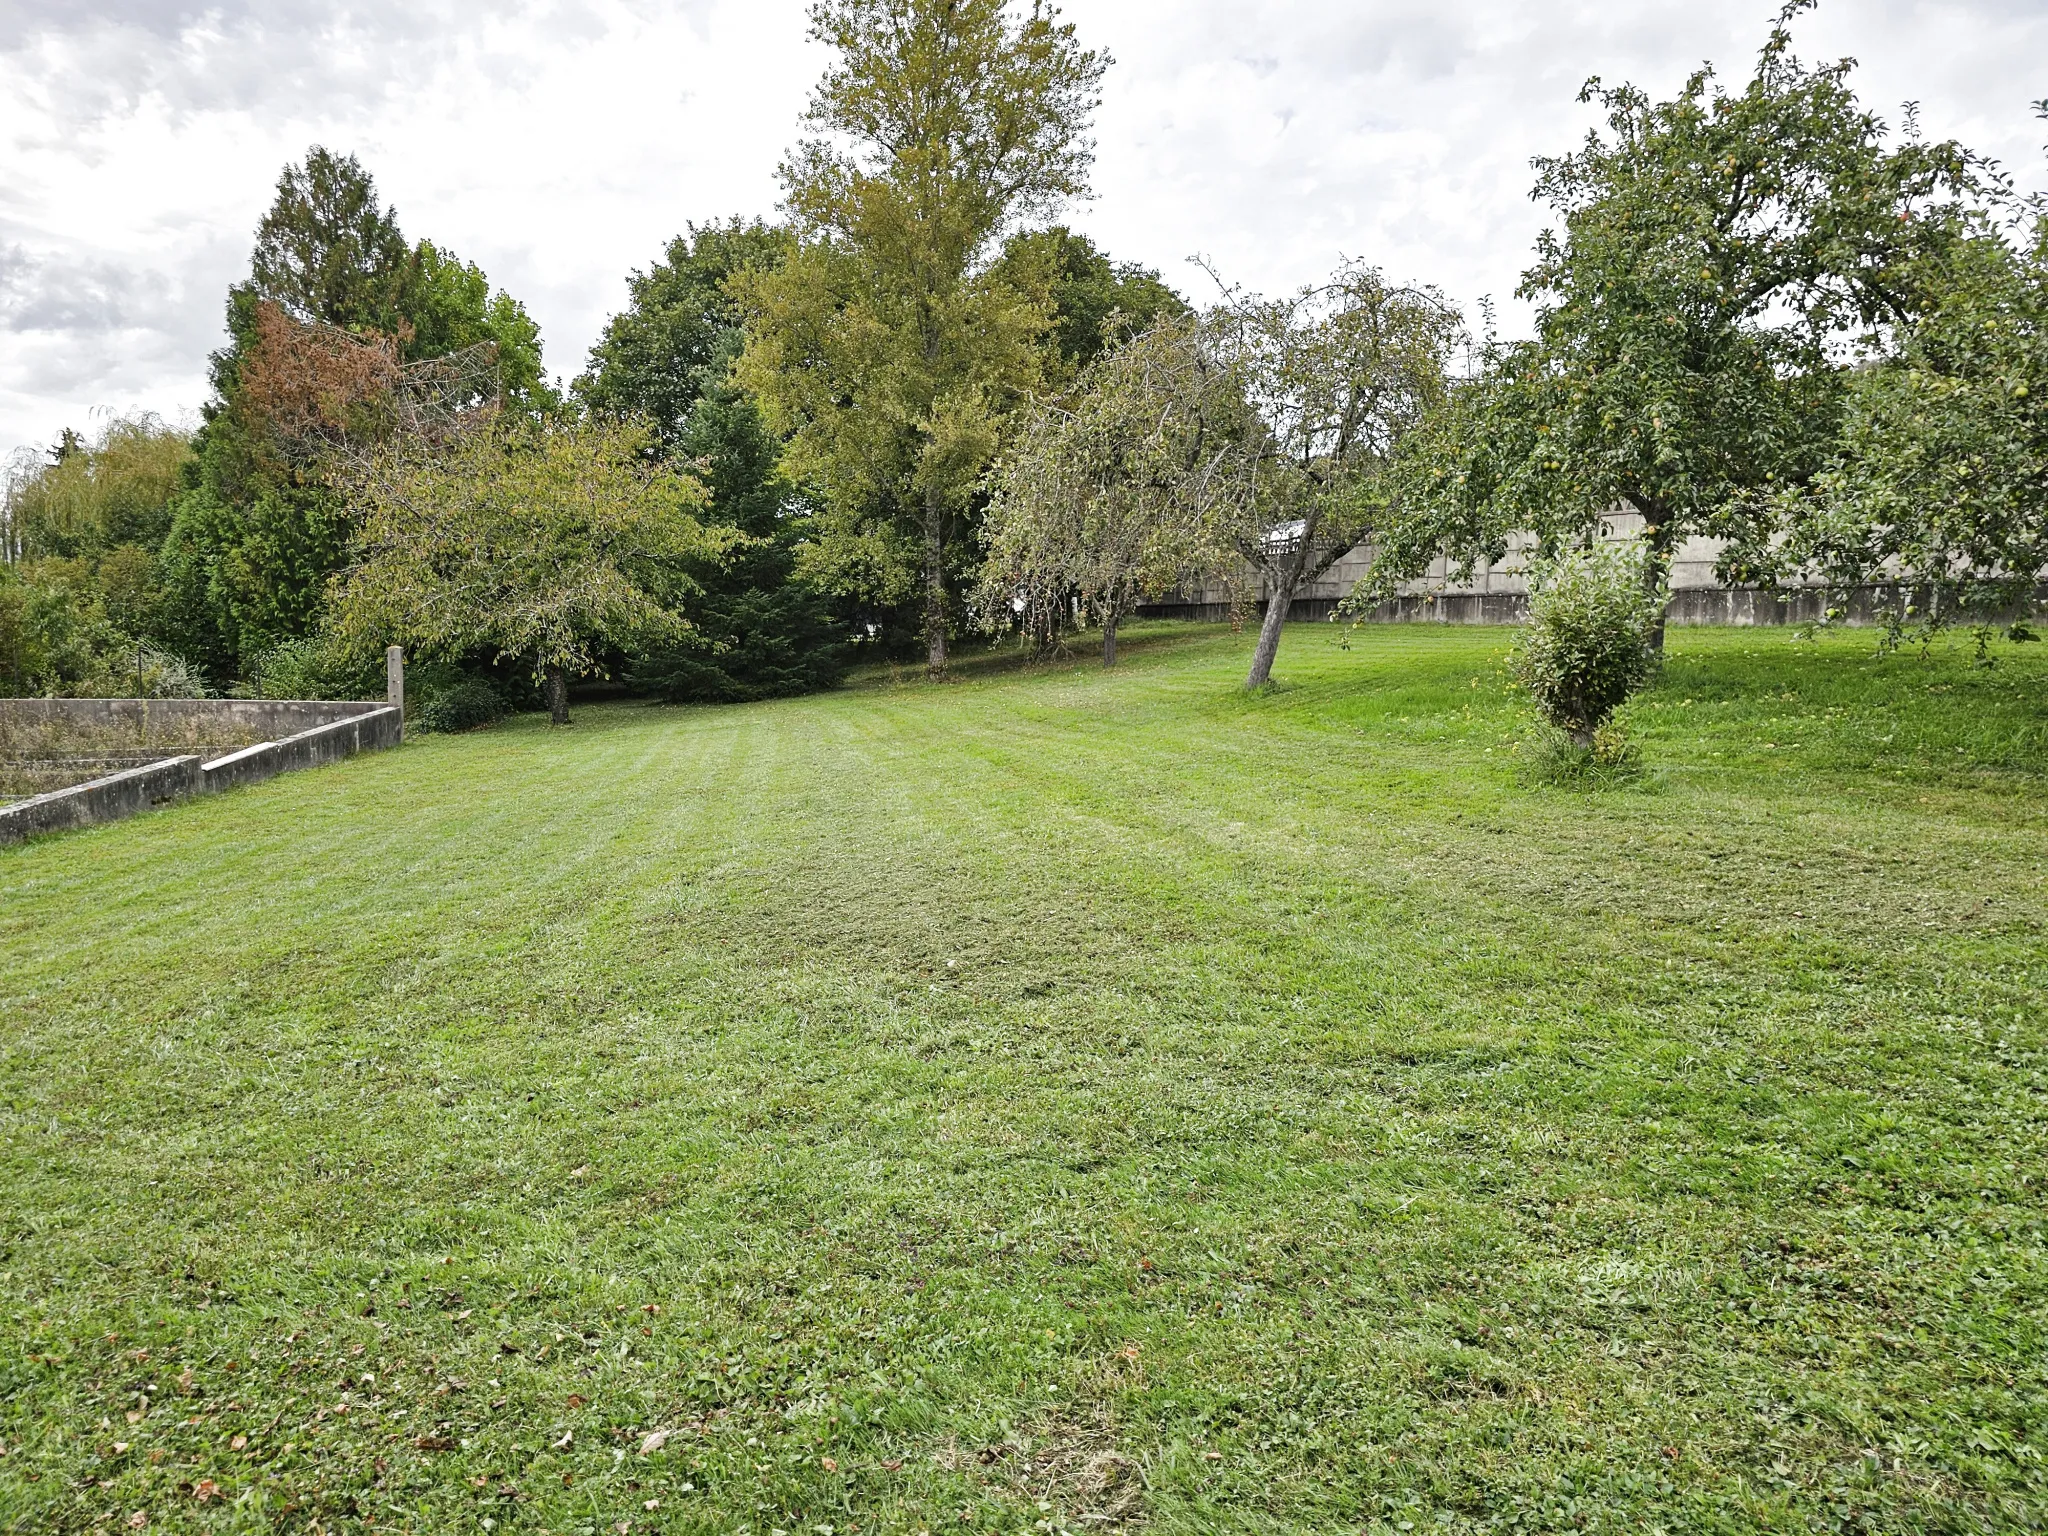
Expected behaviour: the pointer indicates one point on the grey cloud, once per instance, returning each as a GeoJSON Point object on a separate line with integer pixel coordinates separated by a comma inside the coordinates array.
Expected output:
{"type": "Point", "coordinates": [76, 321]}
{"type": "Point", "coordinates": [39, 295]}
{"type": "Point", "coordinates": [100, 60]}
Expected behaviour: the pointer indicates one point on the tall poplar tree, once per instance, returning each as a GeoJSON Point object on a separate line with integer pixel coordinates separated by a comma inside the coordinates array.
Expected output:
{"type": "Point", "coordinates": [891, 346]}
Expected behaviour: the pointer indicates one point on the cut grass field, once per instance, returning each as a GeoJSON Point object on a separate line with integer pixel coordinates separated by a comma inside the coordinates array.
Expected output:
{"type": "Point", "coordinates": [1057, 1101]}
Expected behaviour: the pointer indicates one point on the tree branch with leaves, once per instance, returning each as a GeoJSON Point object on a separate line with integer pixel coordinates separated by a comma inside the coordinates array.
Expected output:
{"type": "Point", "coordinates": [1116, 496]}
{"type": "Point", "coordinates": [546, 543]}
{"type": "Point", "coordinates": [1340, 373]}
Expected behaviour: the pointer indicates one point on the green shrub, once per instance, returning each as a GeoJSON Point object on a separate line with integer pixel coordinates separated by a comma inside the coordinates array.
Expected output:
{"type": "Point", "coordinates": [320, 666]}
{"type": "Point", "coordinates": [462, 704]}
{"type": "Point", "coordinates": [1592, 640]}
{"type": "Point", "coordinates": [166, 675]}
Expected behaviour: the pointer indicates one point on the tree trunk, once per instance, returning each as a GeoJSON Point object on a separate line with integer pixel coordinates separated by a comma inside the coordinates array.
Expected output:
{"type": "Point", "coordinates": [1109, 642]}
{"type": "Point", "coordinates": [1656, 569]}
{"type": "Point", "coordinates": [558, 696]}
{"type": "Point", "coordinates": [934, 584]}
{"type": "Point", "coordinates": [1283, 578]}
{"type": "Point", "coordinates": [1278, 601]}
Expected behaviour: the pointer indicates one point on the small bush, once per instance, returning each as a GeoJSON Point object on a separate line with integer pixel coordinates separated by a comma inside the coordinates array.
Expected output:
{"type": "Point", "coordinates": [166, 675]}
{"type": "Point", "coordinates": [461, 705]}
{"type": "Point", "coordinates": [1592, 637]}
{"type": "Point", "coordinates": [320, 666]}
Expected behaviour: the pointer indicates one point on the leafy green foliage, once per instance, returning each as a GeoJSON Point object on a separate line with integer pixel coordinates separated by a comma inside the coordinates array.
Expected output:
{"type": "Point", "coordinates": [1118, 495]}
{"type": "Point", "coordinates": [322, 665]}
{"type": "Point", "coordinates": [1591, 639]}
{"type": "Point", "coordinates": [1716, 250]}
{"type": "Point", "coordinates": [1940, 484]}
{"type": "Point", "coordinates": [889, 348]}
{"type": "Point", "coordinates": [674, 344]}
{"type": "Point", "coordinates": [450, 306]}
{"type": "Point", "coordinates": [755, 632]}
{"type": "Point", "coordinates": [546, 544]}
{"type": "Point", "coordinates": [463, 703]}
{"type": "Point", "coordinates": [94, 498]}
{"type": "Point", "coordinates": [1096, 302]}
{"type": "Point", "coordinates": [84, 595]}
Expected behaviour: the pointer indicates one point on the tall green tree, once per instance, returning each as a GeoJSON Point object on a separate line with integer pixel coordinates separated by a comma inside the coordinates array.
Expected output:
{"type": "Point", "coordinates": [666, 360]}
{"type": "Point", "coordinates": [548, 544]}
{"type": "Point", "coordinates": [259, 532]}
{"type": "Point", "coordinates": [1717, 250]}
{"type": "Point", "coordinates": [890, 347]}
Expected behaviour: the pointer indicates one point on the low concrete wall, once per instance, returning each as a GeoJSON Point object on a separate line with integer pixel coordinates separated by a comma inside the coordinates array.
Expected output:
{"type": "Point", "coordinates": [308, 749]}
{"type": "Point", "coordinates": [109, 799]}
{"type": "Point", "coordinates": [167, 724]}
{"type": "Point", "coordinates": [369, 728]}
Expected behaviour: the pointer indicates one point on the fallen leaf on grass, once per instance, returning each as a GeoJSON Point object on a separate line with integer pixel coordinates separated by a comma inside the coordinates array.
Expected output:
{"type": "Point", "coordinates": [566, 1441]}
{"type": "Point", "coordinates": [828, 1463]}
{"type": "Point", "coordinates": [239, 1443]}
{"type": "Point", "coordinates": [138, 1520]}
{"type": "Point", "coordinates": [435, 1443]}
{"type": "Point", "coordinates": [206, 1488]}
{"type": "Point", "coordinates": [654, 1441]}
{"type": "Point", "coordinates": [577, 1399]}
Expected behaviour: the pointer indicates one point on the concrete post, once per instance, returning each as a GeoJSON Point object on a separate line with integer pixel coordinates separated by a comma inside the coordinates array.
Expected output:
{"type": "Point", "coordinates": [394, 683]}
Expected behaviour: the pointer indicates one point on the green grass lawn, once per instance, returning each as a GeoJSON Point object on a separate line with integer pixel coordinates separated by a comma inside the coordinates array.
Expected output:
{"type": "Point", "coordinates": [1057, 1101]}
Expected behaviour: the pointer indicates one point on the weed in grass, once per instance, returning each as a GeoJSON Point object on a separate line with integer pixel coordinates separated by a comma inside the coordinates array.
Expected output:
{"type": "Point", "coordinates": [1610, 761]}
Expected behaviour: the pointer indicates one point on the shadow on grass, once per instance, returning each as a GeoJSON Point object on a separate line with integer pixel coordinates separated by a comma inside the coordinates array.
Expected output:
{"type": "Point", "coordinates": [1010, 657]}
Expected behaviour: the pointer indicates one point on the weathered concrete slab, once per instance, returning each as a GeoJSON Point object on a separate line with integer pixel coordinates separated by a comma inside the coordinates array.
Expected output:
{"type": "Point", "coordinates": [108, 799]}
{"type": "Point", "coordinates": [366, 728]}
{"type": "Point", "coordinates": [40, 727]}
{"type": "Point", "coordinates": [373, 732]}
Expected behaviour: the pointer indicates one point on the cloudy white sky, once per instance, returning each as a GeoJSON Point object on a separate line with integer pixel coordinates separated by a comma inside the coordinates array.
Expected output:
{"type": "Point", "coordinates": [559, 142]}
